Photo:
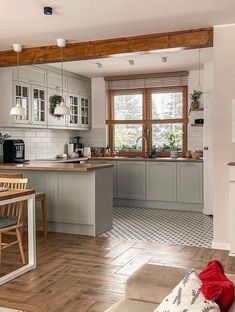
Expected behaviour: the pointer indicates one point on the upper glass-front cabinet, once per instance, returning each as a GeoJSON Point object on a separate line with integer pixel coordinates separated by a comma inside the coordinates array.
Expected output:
{"type": "Point", "coordinates": [39, 111]}
{"type": "Point", "coordinates": [22, 93]}
{"type": "Point", "coordinates": [74, 110]}
{"type": "Point", "coordinates": [85, 111]}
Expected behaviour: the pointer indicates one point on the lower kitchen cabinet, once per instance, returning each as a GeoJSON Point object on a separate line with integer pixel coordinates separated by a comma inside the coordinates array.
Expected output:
{"type": "Point", "coordinates": [131, 180]}
{"type": "Point", "coordinates": [114, 163]}
{"type": "Point", "coordinates": [189, 182]}
{"type": "Point", "coordinates": [161, 181]}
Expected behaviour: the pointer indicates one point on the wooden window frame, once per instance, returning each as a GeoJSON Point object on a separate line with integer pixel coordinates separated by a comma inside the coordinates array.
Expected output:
{"type": "Point", "coordinates": [147, 120]}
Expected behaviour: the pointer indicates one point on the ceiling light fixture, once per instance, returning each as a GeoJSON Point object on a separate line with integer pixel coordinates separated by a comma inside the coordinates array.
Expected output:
{"type": "Point", "coordinates": [164, 59]}
{"type": "Point", "coordinates": [61, 108]}
{"type": "Point", "coordinates": [131, 62]}
{"type": "Point", "coordinates": [18, 110]}
{"type": "Point", "coordinates": [47, 10]}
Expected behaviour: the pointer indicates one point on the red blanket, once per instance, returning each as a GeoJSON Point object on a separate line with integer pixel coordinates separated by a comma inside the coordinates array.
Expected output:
{"type": "Point", "coordinates": [216, 286]}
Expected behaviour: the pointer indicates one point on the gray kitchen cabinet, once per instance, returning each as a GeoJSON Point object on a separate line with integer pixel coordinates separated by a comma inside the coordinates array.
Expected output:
{"type": "Point", "coordinates": [161, 181]}
{"type": "Point", "coordinates": [55, 81]}
{"type": "Point", "coordinates": [85, 112]}
{"type": "Point", "coordinates": [131, 179]}
{"type": "Point", "coordinates": [35, 86]}
{"type": "Point", "coordinates": [114, 163]}
{"type": "Point", "coordinates": [39, 106]}
{"type": "Point", "coordinates": [31, 74]}
{"type": "Point", "coordinates": [189, 182]}
{"type": "Point", "coordinates": [22, 92]}
{"type": "Point", "coordinates": [74, 106]}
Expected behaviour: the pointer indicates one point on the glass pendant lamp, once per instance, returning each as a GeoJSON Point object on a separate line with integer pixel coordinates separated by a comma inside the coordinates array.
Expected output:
{"type": "Point", "coordinates": [18, 110]}
{"type": "Point", "coordinates": [62, 109]}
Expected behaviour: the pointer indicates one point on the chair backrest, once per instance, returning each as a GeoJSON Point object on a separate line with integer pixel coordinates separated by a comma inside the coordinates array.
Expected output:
{"type": "Point", "coordinates": [11, 175]}
{"type": "Point", "coordinates": [19, 184]}
{"type": "Point", "coordinates": [16, 209]}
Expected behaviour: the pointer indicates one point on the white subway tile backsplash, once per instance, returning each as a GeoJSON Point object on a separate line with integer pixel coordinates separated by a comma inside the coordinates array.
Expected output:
{"type": "Point", "coordinates": [41, 143]}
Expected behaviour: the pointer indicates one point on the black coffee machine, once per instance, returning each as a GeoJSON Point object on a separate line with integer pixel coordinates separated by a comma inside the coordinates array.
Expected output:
{"type": "Point", "coordinates": [13, 151]}
{"type": "Point", "coordinates": [78, 146]}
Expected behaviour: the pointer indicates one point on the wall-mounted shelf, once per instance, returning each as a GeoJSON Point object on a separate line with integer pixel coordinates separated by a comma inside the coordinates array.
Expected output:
{"type": "Point", "coordinates": [200, 109]}
{"type": "Point", "coordinates": [196, 125]}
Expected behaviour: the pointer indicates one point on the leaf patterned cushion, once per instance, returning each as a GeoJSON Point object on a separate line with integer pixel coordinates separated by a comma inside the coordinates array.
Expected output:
{"type": "Point", "coordinates": [187, 297]}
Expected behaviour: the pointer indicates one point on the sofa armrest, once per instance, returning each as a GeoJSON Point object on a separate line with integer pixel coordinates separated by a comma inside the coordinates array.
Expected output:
{"type": "Point", "coordinates": [152, 283]}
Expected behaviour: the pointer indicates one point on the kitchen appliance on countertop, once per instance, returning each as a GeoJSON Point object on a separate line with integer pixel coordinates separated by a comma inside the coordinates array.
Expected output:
{"type": "Point", "coordinates": [78, 146]}
{"type": "Point", "coordinates": [87, 151]}
{"type": "Point", "coordinates": [14, 151]}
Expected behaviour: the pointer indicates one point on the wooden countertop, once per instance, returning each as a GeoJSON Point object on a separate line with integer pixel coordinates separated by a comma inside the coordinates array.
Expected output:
{"type": "Point", "coordinates": [51, 166]}
{"type": "Point", "coordinates": [11, 193]}
{"type": "Point", "coordinates": [149, 159]}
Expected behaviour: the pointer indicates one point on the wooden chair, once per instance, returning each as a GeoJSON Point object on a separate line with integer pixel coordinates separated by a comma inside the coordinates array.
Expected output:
{"type": "Point", "coordinates": [11, 219]}
{"type": "Point", "coordinates": [40, 197]}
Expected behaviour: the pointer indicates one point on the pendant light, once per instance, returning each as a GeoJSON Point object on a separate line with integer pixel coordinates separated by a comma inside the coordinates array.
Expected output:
{"type": "Point", "coordinates": [18, 110]}
{"type": "Point", "coordinates": [61, 109]}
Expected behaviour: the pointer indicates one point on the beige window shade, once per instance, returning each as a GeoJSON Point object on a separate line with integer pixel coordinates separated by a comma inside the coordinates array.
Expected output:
{"type": "Point", "coordinates": [148, 82]}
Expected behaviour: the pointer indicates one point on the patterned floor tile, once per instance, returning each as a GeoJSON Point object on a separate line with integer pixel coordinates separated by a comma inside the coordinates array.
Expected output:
{"type": "Point", "coordinates": [162, 226]}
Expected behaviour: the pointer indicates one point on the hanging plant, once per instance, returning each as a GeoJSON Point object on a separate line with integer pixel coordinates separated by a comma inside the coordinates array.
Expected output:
{"type": "Point", "coordinates": [54, 101]}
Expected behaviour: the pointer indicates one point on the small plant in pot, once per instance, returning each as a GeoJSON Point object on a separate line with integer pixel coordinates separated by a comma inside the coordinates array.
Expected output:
{"type": "Point", "coordinates": [195, 96]}
{"type": "Point", "coordinates": [3, 137]}
{"type": "Point", "coordinates": [173, 143]}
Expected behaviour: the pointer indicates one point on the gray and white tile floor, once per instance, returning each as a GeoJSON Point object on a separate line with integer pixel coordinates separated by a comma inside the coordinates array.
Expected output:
{"type": "Point", "coordinates": [162, 226]}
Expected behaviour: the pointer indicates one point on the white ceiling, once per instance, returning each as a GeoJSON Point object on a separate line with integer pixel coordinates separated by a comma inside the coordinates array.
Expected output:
{"type": "Point", "coordinates": [144, 63]}
{"type": "Point", "coordinates": [22, 21]}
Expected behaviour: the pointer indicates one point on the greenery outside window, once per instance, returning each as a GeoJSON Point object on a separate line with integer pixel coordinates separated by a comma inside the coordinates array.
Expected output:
{"type": "Point", "coordinates": [152, 113]}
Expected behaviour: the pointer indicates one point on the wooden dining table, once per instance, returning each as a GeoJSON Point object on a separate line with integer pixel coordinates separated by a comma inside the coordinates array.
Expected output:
{"type": "Point", "coordinates": [12, 196]}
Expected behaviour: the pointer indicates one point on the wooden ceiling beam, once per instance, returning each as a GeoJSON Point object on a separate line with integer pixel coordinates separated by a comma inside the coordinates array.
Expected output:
{"type": "Point", "coordinates": [189, 39]}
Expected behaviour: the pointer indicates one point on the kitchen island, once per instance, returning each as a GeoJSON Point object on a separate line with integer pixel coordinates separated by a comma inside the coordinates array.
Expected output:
{"type": "Point", "coordinates": [80, 196]}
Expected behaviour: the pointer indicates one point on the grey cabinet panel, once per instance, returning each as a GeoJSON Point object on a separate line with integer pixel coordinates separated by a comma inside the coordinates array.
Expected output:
{"type": "Point", "coordinates": [131, 179]}
{"type": "Point", "coordinates": [31, 74]}
{"type": "Point", "coordinates": [189, 183]}
{"type": "Point", "coordinates": [161, 181]}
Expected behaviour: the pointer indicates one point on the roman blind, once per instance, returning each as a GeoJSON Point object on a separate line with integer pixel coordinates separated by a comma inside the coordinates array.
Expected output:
{"type": "Point", "coordinates": [147, 81]}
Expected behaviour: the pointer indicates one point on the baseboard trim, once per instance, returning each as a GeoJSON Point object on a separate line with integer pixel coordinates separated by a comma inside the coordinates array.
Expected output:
{"type": "Point", "coordinates": [221, 246]}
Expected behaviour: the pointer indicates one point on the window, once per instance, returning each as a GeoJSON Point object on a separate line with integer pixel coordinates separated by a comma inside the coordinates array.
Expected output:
{"type": "Point", "coordinates": [152, 113]}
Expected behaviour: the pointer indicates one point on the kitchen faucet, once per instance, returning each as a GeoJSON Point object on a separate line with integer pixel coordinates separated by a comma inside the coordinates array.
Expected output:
{"type": "Point", "coordinates": [145, 145]}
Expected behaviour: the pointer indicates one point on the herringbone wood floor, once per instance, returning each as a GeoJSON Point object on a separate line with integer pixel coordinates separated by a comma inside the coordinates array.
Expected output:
{"type": "Point", "coordinates": [83, 274]}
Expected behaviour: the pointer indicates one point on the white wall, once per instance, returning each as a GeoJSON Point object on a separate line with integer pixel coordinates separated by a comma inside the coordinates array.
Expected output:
{"type": "Point", "coordinates": [224, 149]}
{"type": "Point", "coordinates": [41, 143]}
{"type": "Point", "coordinates": [195, 134]}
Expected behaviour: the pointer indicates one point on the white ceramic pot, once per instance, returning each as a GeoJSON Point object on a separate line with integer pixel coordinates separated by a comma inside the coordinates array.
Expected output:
{"type": "Point", "coordinates": [174, 154]}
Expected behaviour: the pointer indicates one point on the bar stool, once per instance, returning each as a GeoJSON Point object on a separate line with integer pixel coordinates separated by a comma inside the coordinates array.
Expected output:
{"type": "Point", "coordinates": [40, 197]}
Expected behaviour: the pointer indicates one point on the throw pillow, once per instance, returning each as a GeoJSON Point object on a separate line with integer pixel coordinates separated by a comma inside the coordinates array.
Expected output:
{"type": "Point", "coordinates": [187, 297]}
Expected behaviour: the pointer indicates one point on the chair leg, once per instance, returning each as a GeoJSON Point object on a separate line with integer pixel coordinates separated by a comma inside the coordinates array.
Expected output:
{"type": "Point", "coordinates": [44, 216]}
{"type": "Point", "coordinates": [19, 239]}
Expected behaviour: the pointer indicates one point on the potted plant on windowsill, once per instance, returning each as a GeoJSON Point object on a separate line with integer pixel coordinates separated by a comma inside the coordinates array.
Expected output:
{"type": "Point", "coordinates": [195, 96]}
{"type": "Point", "coordinates": [3, 137]}
{"type": "Point", "coordinates": [173, 143]}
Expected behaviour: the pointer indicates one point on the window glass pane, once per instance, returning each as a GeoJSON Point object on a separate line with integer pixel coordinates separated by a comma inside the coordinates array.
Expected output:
{"type": "Point", "coordinates": [128, 106]}
{"type": "Point", "coordinates": [125, 136]}
{"type": "Point", "coordinates": [160, 133]}
{"type": "Point", "coordinates": [167, 105]}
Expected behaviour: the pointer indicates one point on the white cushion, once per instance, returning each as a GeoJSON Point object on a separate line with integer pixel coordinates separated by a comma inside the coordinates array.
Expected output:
{"type": "Point", "coordinates": [187, 297]}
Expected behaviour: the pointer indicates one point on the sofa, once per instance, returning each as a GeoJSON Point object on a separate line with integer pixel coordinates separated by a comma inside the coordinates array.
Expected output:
{"type": "Point", "coordinates": [149, 285]}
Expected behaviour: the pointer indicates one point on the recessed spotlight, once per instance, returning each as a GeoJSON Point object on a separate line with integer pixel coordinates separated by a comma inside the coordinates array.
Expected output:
{"type": "Point", "coordinates": [164, 59]}
{"type": "Point", "coordinates": [99, 65]}
{"type": "Point", "coordinates": [131, 62]}
{"type": "Point", "coordinates": [47, 10]}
